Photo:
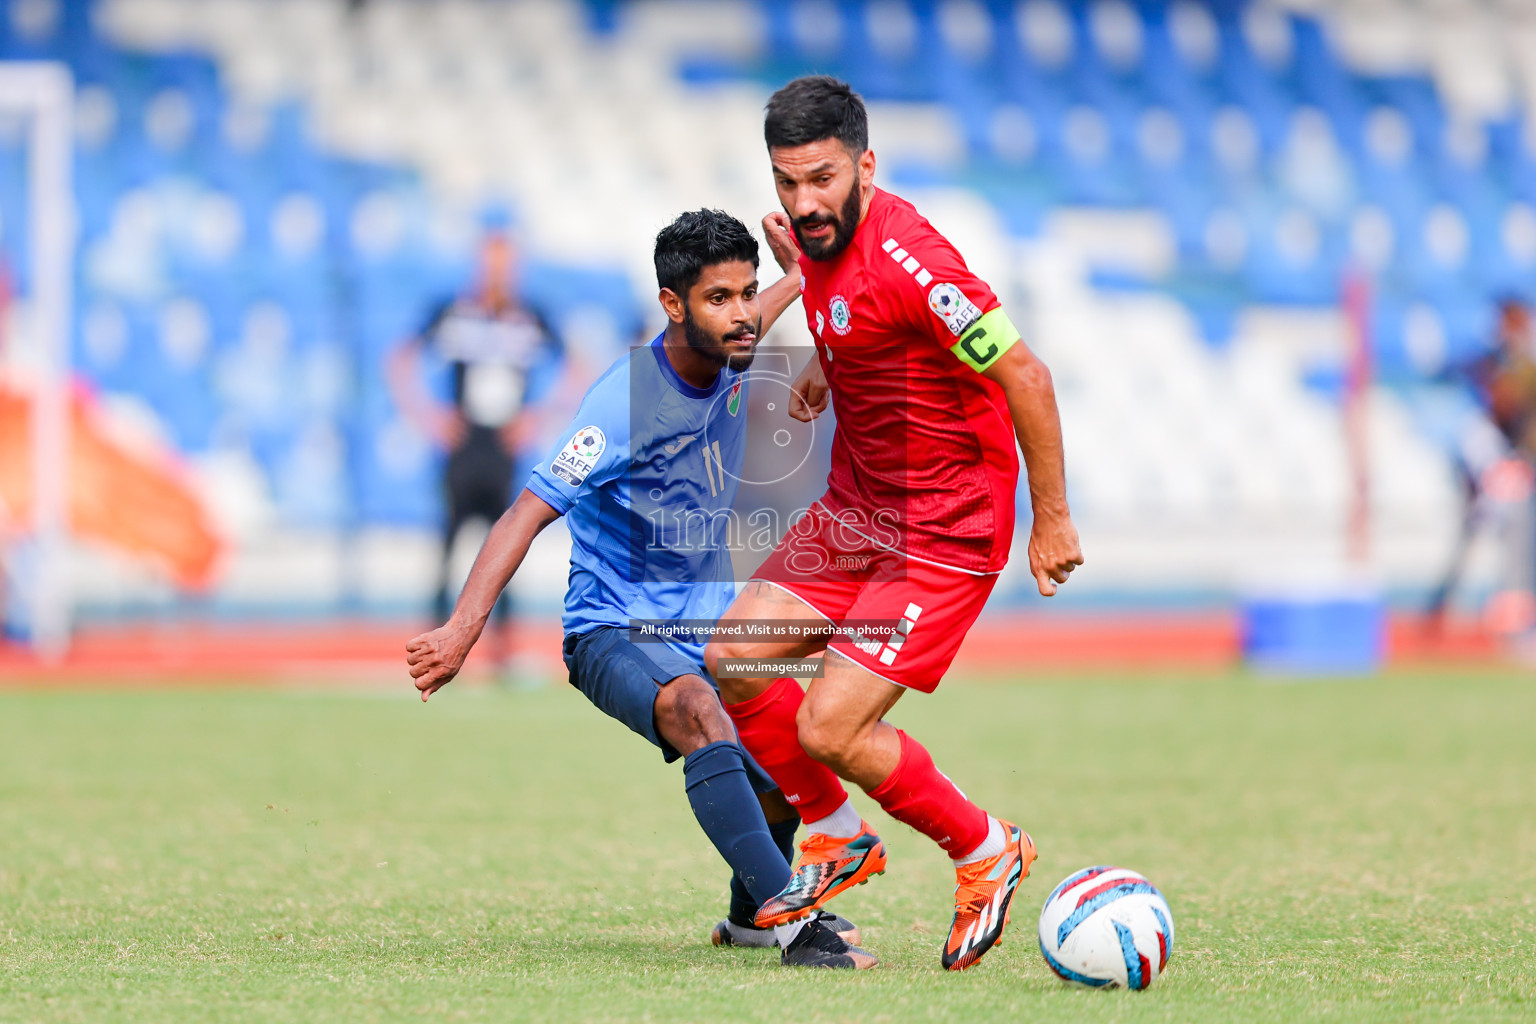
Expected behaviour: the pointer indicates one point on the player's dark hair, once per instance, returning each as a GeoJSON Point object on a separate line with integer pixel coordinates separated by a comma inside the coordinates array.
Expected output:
{"type": "Point", "coordinates": [813, 108]}
{"type": "Point", "coordinates": [699, 239]}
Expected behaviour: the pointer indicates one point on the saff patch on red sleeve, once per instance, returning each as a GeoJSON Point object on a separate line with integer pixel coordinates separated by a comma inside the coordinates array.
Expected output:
{"type": "Point", "coordinates": [950, 305]}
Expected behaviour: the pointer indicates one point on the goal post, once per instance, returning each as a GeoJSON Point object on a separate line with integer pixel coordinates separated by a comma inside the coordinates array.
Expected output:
{"type": "Point", "coordinates": [43, 93]}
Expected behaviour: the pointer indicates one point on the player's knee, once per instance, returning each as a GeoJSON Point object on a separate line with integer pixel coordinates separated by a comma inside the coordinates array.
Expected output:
{"type": "Point", "coordinates": [713, 652]}
{"type": "Point", "coordinates": [826, 742]}
{"type": "Point", "coordinates": [733, 689]}
{"type": "Point", "coordinates": [688, 714]}
{"type": "Point", "coordinates": [736, 690]}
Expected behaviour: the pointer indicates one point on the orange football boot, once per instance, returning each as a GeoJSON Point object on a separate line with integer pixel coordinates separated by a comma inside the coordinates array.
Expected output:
{"type": "Point", "coordinates": [983, 892]}
{"type": "Point", "coordinates": [826, 866]}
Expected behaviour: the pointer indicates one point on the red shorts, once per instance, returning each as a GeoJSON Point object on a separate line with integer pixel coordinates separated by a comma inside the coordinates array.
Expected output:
{"type": "Point", "coordinates": [847, 578]}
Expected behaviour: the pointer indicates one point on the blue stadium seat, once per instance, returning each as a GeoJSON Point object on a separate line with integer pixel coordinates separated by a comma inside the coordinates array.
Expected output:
{"type": "Point", "coordinates": [1468, 319]}
{"type": "Point", "coordinates": [311, 482]}
{"type": "Point", "coordinates": [561, 288]}
{"type": "Point", "coordinates": [1188, 195]}
{"type": "Point", "coordinates": [1213, 297]}
{"type": "Point", "coordinates": [46, 39]}
{"type": "Point", "coordinates": [1293, 258]}
{"type": "Point", "coordinates": [185, 403]}
{"type": "Point", "coordinates": [1267, 100]}
{"type": "Point", "coordinates": [336, 293]}
{"type": "Point", "coordinates": [1391, 362]}
{"type": "Point", "coordinates": [113, 369]}
{"type": "Point", "coordinates": [1416, 98]}
{"type": "Point", "coordinates": [1461, 320]}
{"type": "Point", "coordinates": [1510, 161]}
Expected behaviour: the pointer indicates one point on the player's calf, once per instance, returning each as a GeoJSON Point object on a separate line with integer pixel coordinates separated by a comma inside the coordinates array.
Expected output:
{"type": "Point", "coordinates": [841, 723]}
{"type": "Point", "coordinates": [858, 752]}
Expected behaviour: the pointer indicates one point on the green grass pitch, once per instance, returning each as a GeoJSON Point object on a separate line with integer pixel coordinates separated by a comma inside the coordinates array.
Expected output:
{"type": "Point", "coordinates": [1351, 850]}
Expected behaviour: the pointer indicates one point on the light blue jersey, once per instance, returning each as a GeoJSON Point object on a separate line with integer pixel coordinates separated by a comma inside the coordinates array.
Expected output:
{"type": "Point", "coordinates": [646, 478]}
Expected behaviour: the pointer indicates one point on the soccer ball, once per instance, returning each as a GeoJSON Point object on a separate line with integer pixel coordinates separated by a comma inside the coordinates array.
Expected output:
{"type": "Point", "coordinates": [1106, 927]}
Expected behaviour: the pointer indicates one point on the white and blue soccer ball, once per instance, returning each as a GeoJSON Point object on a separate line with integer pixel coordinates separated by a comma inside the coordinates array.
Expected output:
{"type": "Point", "coordinates": [1107, 927]}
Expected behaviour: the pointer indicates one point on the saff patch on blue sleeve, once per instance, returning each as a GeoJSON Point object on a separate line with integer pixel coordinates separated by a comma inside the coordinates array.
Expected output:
{"type": "Point", "coordinates": [578, 458]}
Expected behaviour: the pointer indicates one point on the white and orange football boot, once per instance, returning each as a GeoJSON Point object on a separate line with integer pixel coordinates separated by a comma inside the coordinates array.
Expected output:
{"type": "Point", "coordinates": [983, 892]}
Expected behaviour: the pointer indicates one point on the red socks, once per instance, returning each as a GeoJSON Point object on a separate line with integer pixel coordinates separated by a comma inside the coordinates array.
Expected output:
{"type": "Point", "coordinates": [916, 794]}
{"type": "Point", "coordinates": [766, 725]}
{"type": "Point", "coordinates": [919, 795]}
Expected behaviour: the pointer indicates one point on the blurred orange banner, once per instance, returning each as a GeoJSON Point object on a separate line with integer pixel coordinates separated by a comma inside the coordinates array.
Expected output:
{"type": "Point", "coordinates": [136, 498]}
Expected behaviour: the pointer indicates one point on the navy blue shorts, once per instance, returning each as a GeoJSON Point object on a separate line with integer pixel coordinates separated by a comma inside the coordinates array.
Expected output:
{"type": "Point", "coordinates": [623, 678]}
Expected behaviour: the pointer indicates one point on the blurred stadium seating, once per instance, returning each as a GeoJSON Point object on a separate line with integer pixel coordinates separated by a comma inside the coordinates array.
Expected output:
{"type": "Point", "coordinates": [272, 191]}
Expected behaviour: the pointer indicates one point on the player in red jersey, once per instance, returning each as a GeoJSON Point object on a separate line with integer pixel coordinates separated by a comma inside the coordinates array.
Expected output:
{"type": "Point", "coordinates": [932, 385]}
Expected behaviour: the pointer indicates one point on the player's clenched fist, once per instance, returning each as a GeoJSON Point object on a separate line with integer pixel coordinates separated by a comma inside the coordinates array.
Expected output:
{"type": "Point", "coordinates": [1054, 551]}
{"type": "Point", "coordinates": [810, 393]}
{"type": "Point", "coordinates": [435, 658]}
{"type": "Point", "coordinates": [781, 240]}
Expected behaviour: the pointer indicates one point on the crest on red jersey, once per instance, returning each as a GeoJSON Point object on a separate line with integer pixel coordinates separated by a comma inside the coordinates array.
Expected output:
{"type": "Point", "coordinates": [840, 315]}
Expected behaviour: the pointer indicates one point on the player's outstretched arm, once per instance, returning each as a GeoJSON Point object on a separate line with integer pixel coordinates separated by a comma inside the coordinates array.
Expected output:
{"type": "Point", "coordinates": [435, 658]}
{"type": "Point", "coordinates": [777, 297]}
{"type": "Point", "coordinates": [1054, 550]}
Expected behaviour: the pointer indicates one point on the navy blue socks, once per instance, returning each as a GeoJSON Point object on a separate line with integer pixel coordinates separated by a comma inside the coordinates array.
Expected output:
{"type": "Point", "coordinates": [783, 833]}
{"type": "Point", "coordinates": [743, 906]}
{"type": "Point", "coordinates": [727, 809]}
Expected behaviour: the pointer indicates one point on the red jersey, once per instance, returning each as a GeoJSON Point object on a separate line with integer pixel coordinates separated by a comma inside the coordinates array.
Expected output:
{"type": "Point", "coordinates": [924, 457]}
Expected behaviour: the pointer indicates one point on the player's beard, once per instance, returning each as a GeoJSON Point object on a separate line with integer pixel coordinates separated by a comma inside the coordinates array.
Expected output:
{"type": "Point", "coordinates": [843, 227]}
{"type": "Point", "coordinates": [713, 348]}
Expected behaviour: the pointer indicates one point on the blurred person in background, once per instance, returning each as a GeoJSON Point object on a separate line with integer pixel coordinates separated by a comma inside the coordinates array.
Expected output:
{"type": "Point", "coordinates": [1503, 383]}
{"type": "Point", "coordinates": [1506, 377]}
{"type": "Point", "coordinates": [492, 343]}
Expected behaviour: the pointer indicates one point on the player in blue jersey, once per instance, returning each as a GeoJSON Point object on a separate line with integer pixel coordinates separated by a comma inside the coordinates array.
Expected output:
{"type": "Point", "coordinates": [651, 461]}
